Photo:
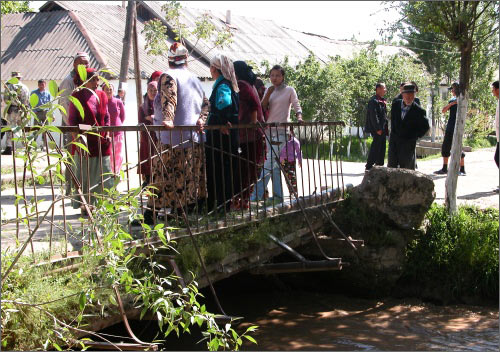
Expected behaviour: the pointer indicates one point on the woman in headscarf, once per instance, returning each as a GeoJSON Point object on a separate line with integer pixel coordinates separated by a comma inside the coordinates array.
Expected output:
{"type": "Point", "coordinates": [222, 145]}
{"type": "Point", "coordinates": [146, 116]}
{"type": "Point", "coordinates": [116, 111]}
{"type": "Point", "coordinates": [278, 100]}
{"type": "Point", "coordinates": [91, 168]}
{"type": "Point", "coordinates": [251, 140]}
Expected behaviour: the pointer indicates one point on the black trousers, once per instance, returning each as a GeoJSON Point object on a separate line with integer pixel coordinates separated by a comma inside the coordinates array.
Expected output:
{"type": "Point", "coordinates": [402, 152]}
{"type": "Point", "coordinates": [222, 168]}
{"type": "Point", "coordinates": [496, 155]}
{"type": "Point", "coordinates": [377, 151]}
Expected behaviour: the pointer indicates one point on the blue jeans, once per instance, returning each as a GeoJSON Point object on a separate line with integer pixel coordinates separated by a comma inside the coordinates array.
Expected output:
{"type": "Point", "coordinates": [271, 167]}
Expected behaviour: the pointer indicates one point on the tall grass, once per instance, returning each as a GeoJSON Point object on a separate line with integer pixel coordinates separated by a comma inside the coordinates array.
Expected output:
{"type": "Point", "coordinates": [457, 254]}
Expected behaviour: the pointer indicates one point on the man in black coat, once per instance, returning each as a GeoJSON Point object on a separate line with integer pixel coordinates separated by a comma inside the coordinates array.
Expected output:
{"type": "Point", "coordinates": [408, 123]}
{"type": "Point", "coordinates": [376, 124]}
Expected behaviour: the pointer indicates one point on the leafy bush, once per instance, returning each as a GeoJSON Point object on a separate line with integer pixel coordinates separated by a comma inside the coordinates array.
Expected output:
{"type": "Point", "coordinates": [459, 254]}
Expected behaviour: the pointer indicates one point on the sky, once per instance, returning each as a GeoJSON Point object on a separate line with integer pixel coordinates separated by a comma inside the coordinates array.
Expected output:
{"type": "Point", "coordinates": [334, 19]}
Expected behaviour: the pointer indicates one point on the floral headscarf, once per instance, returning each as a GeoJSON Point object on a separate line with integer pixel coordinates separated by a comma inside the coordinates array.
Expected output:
{"type": "Point", "coordinates": [225, 65]}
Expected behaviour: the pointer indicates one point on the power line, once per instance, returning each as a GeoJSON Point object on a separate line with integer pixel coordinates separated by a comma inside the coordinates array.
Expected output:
{"type": "Point", "coordinates": [421, 40]}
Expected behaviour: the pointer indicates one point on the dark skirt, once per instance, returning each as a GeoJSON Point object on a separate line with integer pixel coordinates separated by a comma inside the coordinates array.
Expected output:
{"type": "Point", "coordinates": [250, 165]}
{"type": "Point", "coordinates": [146, 150]}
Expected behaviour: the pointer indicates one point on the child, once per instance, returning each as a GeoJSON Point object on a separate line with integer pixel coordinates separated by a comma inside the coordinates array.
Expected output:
{"type": "Point", "coordinates": [288, 155]}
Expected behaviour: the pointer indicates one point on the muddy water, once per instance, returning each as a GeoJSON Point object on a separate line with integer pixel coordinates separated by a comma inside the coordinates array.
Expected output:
{"type": "Point", "coordinates": [303, 319]}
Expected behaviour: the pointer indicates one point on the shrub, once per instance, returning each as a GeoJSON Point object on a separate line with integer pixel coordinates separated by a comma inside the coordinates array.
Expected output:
{"type": "Point", "coordinates": [459, 254]}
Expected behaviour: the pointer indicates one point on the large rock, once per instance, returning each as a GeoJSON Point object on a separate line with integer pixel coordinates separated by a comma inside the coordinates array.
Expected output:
{"type": "Point", "coordinates": [403, 195]}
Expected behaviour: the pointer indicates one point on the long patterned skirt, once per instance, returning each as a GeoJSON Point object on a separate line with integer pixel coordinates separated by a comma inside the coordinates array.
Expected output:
{"type": "Point", "coordinates": [179, 177]}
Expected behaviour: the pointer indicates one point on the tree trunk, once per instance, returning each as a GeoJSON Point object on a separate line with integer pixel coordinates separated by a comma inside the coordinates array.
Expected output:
{"type": "Point", "coordinates": [433, 113]}
{"type": "Point", "coordinates": [137, 68]}
{"type": "Point", "coordinates": [456, 147]}
{"type": "Point", "coordinates": [127, 42]}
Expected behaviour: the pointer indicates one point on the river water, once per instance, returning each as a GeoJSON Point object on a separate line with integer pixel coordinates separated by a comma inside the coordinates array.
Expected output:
{"type": "Point", "coordinates": [296, 317]}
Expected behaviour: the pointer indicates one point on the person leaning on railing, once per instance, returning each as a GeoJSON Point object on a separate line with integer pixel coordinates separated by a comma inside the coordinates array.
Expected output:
{"type": "Point", "coordinates": [251, 140]}
{"type": "Point", "coordinates": [278, 100]}
{"type": "Point", "coordinates": [146, 150]}
{"type": "Point", "coordinates": [88, 165]}
{"type": "Point", "coordinates": [222, 145]}
{"type": "Point", "coordinates": [178, 175]}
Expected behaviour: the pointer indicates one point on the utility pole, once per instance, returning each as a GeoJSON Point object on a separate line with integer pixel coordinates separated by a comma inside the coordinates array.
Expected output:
{"type": "Point", "coordinates": [127, 42]}
{"type": "Point", "coordinates": [137, 69]}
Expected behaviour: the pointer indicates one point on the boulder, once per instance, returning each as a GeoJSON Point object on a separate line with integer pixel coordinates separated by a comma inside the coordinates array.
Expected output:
{"type": "Point", "coordinates": [401, 194]}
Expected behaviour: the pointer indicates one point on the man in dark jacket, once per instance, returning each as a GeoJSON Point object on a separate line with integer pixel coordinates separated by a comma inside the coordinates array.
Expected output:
{"type": "Point", "coordinates": [376, 123]}
{"type": "Point", "coordinates": [408, 123]}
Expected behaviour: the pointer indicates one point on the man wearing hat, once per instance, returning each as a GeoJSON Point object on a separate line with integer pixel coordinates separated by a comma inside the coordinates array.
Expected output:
{"type": "Point", "coordinates": [448, 135]}
{"type": "Point", "coordinates": [180, 101]}
{"type": "Point", "coordinates": [408, 123]}
{"type": "Point", "coordinates": [68, 84]}
{"type": "Point", "coordinates": [15, 95]}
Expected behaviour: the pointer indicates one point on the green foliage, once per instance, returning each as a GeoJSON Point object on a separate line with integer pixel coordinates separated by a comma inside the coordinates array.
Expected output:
{"type": "Point", "coordinates": [457, 253]}
{"type": "Point", "coordinates": [340, 89]}
{"type": "Point", "coordinates": [204, 35]}
{"type": "Point", "coordinates": [15, 7]}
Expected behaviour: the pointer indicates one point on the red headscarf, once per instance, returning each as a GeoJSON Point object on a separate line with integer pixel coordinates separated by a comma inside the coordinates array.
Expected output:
{"type": "Point", "coordinates": [155, 75]}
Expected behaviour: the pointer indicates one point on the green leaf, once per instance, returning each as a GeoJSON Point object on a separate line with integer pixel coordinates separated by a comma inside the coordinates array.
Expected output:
{"type": "Point", "coordinates": [13, 80]}
{"type": "Point", "coordinates": [51, 128]}
{"type": "Point", "coordinates": [40, 180]}
{"type": "Point", "coordinates": [77, 105]}
{"type": "Point", "coordinates": [34, 100]}
{"type": "Point", "coordinates": [60, 107]}
{"type": "Point", "coordinates": [104, 80]}
{"type": "Point", "coordinates": [82, 72]}
{"type": "Point", "coordinates": [80, 145]}
{"type": "Point", "coordinates": [56, 346]}
{"type": "Point", "coordinates": [252, 328]}
{"type": "Point", "coordinates": [53, 88]}
{"type": "Point", "coordinates": [250, 338]}
{"type": "Point", "coordinates": [82, 300]}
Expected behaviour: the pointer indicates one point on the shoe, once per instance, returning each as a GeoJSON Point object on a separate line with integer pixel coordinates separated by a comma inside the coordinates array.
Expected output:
{"type": "Point", "coordinates": [7, 151]}
{"type": "Point", "coordinates": [462, 173]}
{"type": "Point", "coordinates": [496, 190]}
{"type": "Point", "coordinates": [440, 172]}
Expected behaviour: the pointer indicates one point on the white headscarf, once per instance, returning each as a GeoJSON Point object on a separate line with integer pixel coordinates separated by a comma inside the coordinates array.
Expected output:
{"type": "Point", "coordinates": [223, 63]}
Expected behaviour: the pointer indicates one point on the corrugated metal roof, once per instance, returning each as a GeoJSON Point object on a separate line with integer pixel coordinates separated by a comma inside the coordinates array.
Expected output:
{"type": "Point", "coordinates": [106, 25]}
{"type": "Point", "coordinates": [253, 39]}
{"type": "Point", "coordinates": [323, 47]}
{"type": "Point", "coordinates": [40, 45]}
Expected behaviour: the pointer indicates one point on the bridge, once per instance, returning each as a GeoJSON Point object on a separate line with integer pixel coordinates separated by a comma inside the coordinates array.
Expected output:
{"type": "Point", "coordinates": [39, 220]}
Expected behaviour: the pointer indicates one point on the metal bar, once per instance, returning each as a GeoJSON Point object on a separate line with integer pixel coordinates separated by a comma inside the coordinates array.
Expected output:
{"type": "Point", "coordinates": [15, 187]}
{"type": "Point", "coordinates": [299, 267]}
{"type": "Point", "coordinates": [53, 194]}
{"type": "Point", "coordinates": [287, 248]}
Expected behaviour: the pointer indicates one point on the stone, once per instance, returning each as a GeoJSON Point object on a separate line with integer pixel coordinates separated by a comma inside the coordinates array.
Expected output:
{"type": "Point", "coordinates": [403, 195]}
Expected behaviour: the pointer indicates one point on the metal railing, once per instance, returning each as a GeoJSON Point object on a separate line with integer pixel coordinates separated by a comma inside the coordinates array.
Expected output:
{"type": "Point", "coordinates": [212, 178]}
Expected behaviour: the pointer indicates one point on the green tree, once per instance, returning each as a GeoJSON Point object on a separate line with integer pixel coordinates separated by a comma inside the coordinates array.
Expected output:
{"type": "Point", "coordinates": [466, 25]}
{"type": "Point", "coordinates": [15, 7]}
{"type": "Point", "coordinates": [201, 38]}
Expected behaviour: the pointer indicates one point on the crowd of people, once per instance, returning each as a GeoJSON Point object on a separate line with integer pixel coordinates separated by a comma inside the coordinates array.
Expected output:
{"type": "Point", "coordinates": [220, 168]}
{"type": "Point", "coordinates": [213, 167]}
{"type": "Point", "coordinates": [406, 124]}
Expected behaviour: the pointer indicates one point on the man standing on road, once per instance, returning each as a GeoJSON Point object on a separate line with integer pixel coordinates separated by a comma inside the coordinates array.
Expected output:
{"type": "Point", "coordinates": [408, 123]}
{"type": "Point", "coordinates": [15, 95]}
{"type": "Point", "coordinates": [448, 135]}
{"type": "Point", "coordinates": [376, 124]}
{"type": "Point", "coordinates": [43, 98]}
{"type": "Point", "coordinates": [68, 84]}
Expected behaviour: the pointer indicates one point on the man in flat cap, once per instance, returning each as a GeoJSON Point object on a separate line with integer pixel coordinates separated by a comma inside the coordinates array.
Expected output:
{"type": "Point", "coordinates": [448, 135]}
{"type": "Point", "coordinates": [68, 84]}
{"type": "Point", "coordinates": [16, 95]}
{"type": "Point", "coordinates": [408, 123]}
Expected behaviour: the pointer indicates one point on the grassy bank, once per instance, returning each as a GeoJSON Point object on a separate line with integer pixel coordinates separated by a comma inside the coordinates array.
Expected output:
{"type": "Point", "coordinates": [456, 257]}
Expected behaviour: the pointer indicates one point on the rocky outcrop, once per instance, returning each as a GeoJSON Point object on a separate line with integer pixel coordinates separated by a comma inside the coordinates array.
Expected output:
{"type": "Point", "coordinates": [403, 195]}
